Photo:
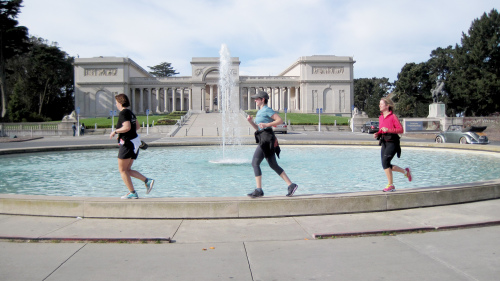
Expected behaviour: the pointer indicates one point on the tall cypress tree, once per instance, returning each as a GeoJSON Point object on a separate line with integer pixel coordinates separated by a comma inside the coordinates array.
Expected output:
{"type": "Point", "coordinates": [476, 69]}
{"type": "Point", "coordinates": [13, 41]}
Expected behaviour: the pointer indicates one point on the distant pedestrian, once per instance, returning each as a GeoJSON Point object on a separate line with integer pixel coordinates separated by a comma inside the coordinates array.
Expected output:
{"type": "Point", "coordinates": [129, 142]}
{"type": "Point", "coordinates": [388, 136]}
{"type": "Point", "coordinates": [74, 129]}
{"type": "Point", "coordinates": [267, 146]}
{"type": "Point", "coordinates": [82, 130]}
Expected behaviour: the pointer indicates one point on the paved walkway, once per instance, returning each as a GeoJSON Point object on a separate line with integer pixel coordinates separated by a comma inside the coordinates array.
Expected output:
{"type": "Point", "coordinates": [467, 248]}
{"type": "Point", "coordinates": [210, 124]}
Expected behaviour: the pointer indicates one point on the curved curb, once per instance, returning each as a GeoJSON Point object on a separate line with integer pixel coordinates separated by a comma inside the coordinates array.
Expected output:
{"type": "Point", "coordinates": [404, 230]}
{"type": "Point", "coordinates": [240, 207]}
{"type": "Point", "coordinates": [243, 207]}
{"type": "Point", "coordinates": [84, 239]}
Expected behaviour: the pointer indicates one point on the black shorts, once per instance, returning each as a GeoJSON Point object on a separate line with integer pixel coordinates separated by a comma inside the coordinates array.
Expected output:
{"type": "Point", "coordinates": [389, 150]}
{"type": "Point", "coordinates": [126, 151]}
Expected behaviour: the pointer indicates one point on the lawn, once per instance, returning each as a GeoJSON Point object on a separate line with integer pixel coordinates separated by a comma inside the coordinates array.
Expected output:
{"type": "Point", "coordinates": [309, 119]}
{"type": "Point", "coordinates": [105, 122]}
{"type": "Point", "coordinates": [295, 119]}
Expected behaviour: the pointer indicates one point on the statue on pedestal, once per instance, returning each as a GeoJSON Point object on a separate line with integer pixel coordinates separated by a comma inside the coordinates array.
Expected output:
{"type": "Point", "coordinates": [70, 118]}
{"type": "Point", "coordinates": [436, 92]}
{"type": "Point", "coordinates": [437, 109]}
{"type": "Point", "coordinates": [355, 111]}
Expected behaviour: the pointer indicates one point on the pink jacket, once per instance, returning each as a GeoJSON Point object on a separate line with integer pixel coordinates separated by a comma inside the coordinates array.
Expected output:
{"type": "Point", "coordinates": [391, 122]}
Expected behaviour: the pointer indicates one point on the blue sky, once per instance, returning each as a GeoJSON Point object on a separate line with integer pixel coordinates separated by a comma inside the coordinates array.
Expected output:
{"type": "Point", "coordinates": [266, 35]}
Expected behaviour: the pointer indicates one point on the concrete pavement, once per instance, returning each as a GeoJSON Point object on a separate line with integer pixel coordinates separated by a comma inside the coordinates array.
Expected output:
{"type": "Point", "coordinates": [210, 125]}
{"type": "Point", "coordinates": [288, 248]}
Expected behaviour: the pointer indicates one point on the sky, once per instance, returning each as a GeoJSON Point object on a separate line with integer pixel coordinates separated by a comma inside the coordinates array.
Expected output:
{"type": "Point", "coordinates": [266, 35]}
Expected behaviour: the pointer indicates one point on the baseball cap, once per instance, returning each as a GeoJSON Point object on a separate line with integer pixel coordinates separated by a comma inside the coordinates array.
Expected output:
{"type": "Point", "coordinates": [261, 94]}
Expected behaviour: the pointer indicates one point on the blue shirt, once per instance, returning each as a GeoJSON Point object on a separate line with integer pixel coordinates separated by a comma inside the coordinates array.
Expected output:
{"type": "Point", "coordinates": [264, 115]}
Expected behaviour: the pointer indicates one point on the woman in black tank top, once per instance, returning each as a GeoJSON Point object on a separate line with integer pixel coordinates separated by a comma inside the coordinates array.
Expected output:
{"type": "Point", "coordinates": [129, 142]}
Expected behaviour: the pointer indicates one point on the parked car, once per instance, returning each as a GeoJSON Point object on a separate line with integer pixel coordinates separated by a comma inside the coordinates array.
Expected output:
{"type": "Point", "coordinates": [370, 127]}
{"type": "Point", "coordinates": [457, 134]}
{"type": "Point", "coordinates": [282, 128]}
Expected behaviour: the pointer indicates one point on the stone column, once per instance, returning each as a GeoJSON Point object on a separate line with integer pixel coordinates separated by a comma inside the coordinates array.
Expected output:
{"type": "Point", "coordinates": [203, 99]}
{"type": "Point", "coordinates": [173, 99]}
{"type": "Point", "coordinates": [282, 98]}
{"type": "Point", "coordinates": [149, 100]}
{"type": "Point", "coordinates": [297, 98]}
{"type": "Point", "coordinates": [276, 96]}
{"type": "Point", "coordinates": [141, 101]}
{"type": "Point", "coordinates": [249, 99]}
{"type": "Point", "coordinates": [288, 98]}
{"type": "Point", "coordinates": [218, 100]}
{"type": "Point", "coordinates": [190, 99]}
{"type": "Point", "coordinates": [182, 98]}
{"type": "Point", "coordinates": [211, 105]}
{"type": "Point", "coordinates": [165, 100]}
{"type": "Point", "coordinates": [157, 100]}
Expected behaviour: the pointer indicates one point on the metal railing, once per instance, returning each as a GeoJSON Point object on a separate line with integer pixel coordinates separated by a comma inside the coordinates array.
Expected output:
{"type": "Point", "coordinates": [181, 122]}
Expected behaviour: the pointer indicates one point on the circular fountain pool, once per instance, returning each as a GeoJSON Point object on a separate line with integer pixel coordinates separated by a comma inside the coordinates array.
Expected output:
{"type": "Point", "coordinates": [197, 171]}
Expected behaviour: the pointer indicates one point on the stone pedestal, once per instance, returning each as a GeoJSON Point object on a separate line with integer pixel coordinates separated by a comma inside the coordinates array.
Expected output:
{"type": "Point", "coordinates": [437, 110]}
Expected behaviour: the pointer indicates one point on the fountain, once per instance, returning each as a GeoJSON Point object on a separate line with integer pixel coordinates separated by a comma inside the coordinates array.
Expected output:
{"type": "Point", "coordinates": [230, 109]}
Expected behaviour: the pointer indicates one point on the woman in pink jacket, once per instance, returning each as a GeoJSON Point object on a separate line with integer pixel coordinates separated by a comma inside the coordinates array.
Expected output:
{"type": "Point", "coordinates": [388, 136]}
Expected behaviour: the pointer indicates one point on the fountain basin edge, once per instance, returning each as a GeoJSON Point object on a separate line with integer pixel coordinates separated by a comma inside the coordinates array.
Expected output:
{"type": "Point", "coordinates": [244, 207]}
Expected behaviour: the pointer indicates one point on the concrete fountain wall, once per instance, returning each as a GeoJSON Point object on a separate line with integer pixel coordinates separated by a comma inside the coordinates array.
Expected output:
{"type": "Point", "coordinates": [243, 207]}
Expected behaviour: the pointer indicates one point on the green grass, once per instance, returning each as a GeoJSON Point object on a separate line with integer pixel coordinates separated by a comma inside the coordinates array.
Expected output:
{"type": "Point", "coordinates": [295, 119]}
{"type": "Point", "coordinates": [309, 119]}
{"type": "Point", "coordinates": [105, 122]}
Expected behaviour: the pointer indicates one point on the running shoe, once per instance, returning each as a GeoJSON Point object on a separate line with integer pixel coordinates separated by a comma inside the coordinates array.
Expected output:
{"type": "Point", "coordinates": [149, 185]}
{"type": "Point", "coordinates": [389, 188]}
{"type": "Point", "coordinates": [291, 189]}
{"type": "Point", "coordinates": [130, 195]}
{"type": "Point", "coordinates": [258, 192]}
{"type": "Point", "coordinates": [408, 174]}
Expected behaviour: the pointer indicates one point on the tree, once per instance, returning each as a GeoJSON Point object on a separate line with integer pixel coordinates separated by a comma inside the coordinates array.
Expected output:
{"type": "Point", "coordinates": [13, 40]}
{"type": "Point", "coordinates": [471, 73]}
{"type": "Point", "coordinates": [43, 83]}
{"type": "Point", "coordinates": [475, 79]}
{"type": "Point", "coordinates": [368, 92]}
{"type": "Point", "coordinates": [163, 70]}
{"type": "Point", "coordinates": [413, 90]}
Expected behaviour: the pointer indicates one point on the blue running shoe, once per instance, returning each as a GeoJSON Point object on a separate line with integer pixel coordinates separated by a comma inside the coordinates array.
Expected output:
{"type": "Point", "coordinates": [149, 185]}
{"type": "Point", "coordinates": [130, 195]}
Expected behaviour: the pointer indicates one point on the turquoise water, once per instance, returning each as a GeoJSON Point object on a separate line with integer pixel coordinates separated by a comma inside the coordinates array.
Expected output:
{"type": "Point", "coordinates": [199, 172]}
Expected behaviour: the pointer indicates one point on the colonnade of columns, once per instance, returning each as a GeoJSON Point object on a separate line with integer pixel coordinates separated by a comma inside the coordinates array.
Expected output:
{"type": "Point", "coordinates": [168, 99]}
{"type": "Point", "coordinates": [279, 97]}
{"type": "Point", "coordinates": [161, 100]}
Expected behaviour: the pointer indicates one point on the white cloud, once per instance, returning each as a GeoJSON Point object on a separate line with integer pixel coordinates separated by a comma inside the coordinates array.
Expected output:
{"type": "Point", "coordinates": [267, 36]}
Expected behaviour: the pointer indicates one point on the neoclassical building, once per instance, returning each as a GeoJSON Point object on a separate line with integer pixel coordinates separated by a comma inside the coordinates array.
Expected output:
{"type": "Point", "coordinates": [311, 82]}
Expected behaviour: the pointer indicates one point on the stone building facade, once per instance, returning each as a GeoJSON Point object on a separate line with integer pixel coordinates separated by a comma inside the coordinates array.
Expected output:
{"type": "Point", "coordinates": [309, 83]}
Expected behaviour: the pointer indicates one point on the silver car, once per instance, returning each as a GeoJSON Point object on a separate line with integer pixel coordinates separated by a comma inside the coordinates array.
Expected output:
{"type": "Point", "coordinates": [457, 134]}
{"type": "Point", "coordinates": [282, 128]}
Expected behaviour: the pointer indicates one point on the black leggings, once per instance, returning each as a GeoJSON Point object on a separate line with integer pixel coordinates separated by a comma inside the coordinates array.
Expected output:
{"type": "Point", "coordinates": [258, 156]}
{"type": "Point", "coordinates": [389, 149]}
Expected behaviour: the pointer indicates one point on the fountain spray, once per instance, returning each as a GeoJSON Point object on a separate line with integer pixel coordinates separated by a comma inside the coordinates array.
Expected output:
{"type": "Point", "coordinates": [228, 104]}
